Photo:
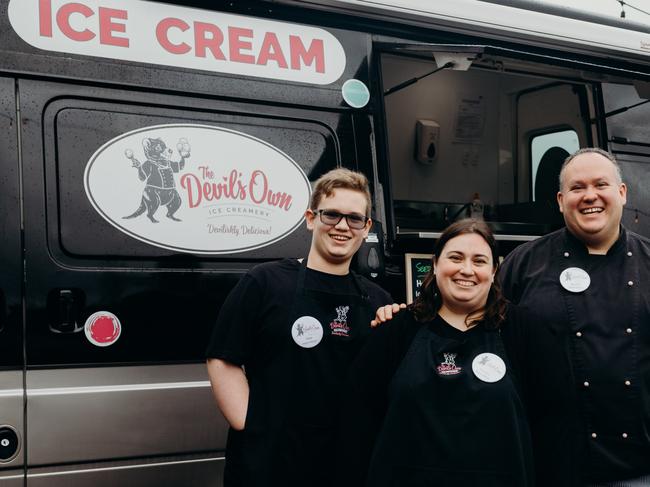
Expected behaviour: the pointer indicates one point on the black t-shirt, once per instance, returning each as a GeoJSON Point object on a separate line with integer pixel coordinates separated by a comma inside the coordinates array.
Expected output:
{"type": "Point", "coordinates": [295, 391]}
{"type": "Point", "coordinates": [257, 308]}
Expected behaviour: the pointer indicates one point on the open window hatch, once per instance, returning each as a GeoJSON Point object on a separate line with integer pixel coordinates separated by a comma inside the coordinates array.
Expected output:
{"type": "Point", "coordinates": [483, 131]}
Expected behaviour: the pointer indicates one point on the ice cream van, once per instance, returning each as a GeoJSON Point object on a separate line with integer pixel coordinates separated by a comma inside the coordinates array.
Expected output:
{"type": "Point", "coordinates": [151, 153]}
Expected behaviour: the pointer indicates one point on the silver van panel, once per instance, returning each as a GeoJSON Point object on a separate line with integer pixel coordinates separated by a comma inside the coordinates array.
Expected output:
{"type": "Point", "coordinates": [11, 414]}
{"type": "Point", "coordinates": [12, 478]}
{"type": "Point", "coordinates": [121, 412]}
{"type": "Point", "coordinates": [185, 472]}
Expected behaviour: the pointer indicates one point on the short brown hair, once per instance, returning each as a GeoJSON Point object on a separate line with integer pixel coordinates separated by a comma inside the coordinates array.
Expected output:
{"type": "Point", "coordinates": [591, 150]}
{"type": "Point", "coordinates": [340, 178]}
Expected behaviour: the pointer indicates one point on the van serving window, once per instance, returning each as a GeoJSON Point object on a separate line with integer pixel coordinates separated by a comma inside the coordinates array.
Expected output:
{"type": "Point", "coordinates": [472, 142]}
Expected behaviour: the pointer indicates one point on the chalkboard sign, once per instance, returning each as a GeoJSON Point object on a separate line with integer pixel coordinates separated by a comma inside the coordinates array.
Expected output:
{"type": "Point", "coordinates": [417, 267]}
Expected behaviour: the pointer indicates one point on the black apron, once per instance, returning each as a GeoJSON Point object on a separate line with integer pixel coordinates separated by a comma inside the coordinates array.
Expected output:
{"type": "Point", "coordinates": [446, 427]}
{"type": "Point", "coordinates": [295, 400]}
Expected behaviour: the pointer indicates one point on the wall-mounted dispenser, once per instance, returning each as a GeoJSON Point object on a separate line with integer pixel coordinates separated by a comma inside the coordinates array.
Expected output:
{"type": "Point", "coordinates": [427, 133]}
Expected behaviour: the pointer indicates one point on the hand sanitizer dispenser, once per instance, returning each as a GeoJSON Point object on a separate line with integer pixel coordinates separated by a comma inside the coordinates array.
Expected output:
{"type": "Point", "coordinates": [427, 133]}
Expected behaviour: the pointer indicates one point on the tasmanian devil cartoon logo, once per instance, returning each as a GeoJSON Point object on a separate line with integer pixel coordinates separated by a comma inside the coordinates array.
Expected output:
{"type": "Point", "coordinates": [158, 172]}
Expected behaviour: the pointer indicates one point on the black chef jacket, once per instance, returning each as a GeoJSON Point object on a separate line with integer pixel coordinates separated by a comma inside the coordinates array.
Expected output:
{"type": "Point", "coordinates": [585, 357]}
{"type": "Point", "coordinates": [295, 400]}
{"type": "Point", "coordinates": [417, 404]}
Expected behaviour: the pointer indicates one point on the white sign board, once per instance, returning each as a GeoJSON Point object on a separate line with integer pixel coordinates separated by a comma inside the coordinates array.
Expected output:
{"type": "Point", "coordinates": [149, 32]}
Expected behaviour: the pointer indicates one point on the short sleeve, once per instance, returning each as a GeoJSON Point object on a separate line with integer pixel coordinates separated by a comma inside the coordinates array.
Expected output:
{"type": "Point", "coordinates": [233, 332]}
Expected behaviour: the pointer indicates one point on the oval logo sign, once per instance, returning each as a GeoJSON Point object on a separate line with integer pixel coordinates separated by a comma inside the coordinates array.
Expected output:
{"type": "Point", "coordinates": [197, 188]}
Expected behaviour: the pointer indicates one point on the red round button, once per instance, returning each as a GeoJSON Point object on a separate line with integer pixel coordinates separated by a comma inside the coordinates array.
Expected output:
{"type": "Point", "coordinates": [102, 328]}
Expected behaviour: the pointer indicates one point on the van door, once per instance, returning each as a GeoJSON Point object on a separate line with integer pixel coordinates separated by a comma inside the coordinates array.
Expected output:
{"type": "Point", "coordinates": [139, 411]}
{"type": "Point", "coordinates": [11, 355]}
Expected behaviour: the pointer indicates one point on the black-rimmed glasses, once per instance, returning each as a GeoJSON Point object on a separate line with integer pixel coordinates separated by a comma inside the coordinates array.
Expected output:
{"type": "Point", "coordinates": [331, 217]}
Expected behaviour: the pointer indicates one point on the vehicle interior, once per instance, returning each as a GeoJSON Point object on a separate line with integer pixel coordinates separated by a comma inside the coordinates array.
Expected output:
{"type": "Point", "coordinates": [482, 131]}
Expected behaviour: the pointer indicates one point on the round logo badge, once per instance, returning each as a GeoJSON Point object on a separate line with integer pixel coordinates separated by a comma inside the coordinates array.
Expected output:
{"type": "Point", "coordinates": [355, 93]}
{"type": "Point", "coordinates": [102, 328]}
{"type": "Point", "coordinates": [489, 367]}
{"type": "Point", "coordinates": [307, 332]}
{"type": "Point", "coordinates": [574, 279]}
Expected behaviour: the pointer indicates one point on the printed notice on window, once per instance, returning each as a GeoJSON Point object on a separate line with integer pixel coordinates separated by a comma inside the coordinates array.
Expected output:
{"type": "Point", "coordinates": [470, 119]}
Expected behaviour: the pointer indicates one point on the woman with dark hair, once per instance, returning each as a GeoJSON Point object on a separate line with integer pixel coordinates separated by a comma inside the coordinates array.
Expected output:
{"type": "Point", "coordinates": [434, 401]}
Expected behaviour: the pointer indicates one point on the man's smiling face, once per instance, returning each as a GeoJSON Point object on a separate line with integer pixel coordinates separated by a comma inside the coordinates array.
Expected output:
{"type": "Point", "coordinates": [591, 199]}
{"type": "Point", "coordinates": [335, 245]}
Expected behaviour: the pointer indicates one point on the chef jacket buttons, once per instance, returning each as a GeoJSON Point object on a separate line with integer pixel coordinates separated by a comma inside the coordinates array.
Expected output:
{"type": "Point", "coordinates": [566, 254]}
{"type": "Point", "coordinates": [624, 435]}
{"type": "Point", "coordinates": [628, 383]}
{"type": "Point", "coordinates": [629, 254]}
{"type": "Point", "coordinates": [586, 383]}
{"type": "Point", "coordinates": [630, 283]}
{"type": "Point", "coordinates": [578, 334]}
{"type": "Point", "coordinates": [628, 331]}
{"type": "Point", "coordinates": [594, 435]}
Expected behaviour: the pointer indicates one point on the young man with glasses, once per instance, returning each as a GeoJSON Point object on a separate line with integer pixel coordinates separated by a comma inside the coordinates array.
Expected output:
{"type": "Point", "coordinates": [284, 340]}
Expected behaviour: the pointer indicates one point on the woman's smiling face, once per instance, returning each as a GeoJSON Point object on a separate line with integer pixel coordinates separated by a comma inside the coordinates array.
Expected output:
{"type": "Point", "coordinates": [465, 272]}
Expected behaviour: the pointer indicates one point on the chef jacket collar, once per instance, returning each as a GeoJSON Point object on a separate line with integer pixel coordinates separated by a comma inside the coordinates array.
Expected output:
{"type": "Point", "coordinates": [574, 244]}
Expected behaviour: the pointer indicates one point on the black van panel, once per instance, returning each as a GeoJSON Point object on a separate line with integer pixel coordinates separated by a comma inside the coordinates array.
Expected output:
{"type": "Point", "coordinates": [158, 295]}
{"type": "Point", "coordinates": [11, 266]}
{"type": "Point", "coordinates": [10, 232]}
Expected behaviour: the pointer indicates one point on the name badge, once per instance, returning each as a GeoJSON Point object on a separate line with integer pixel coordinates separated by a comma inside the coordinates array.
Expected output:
{"type": "Point", "coordinates": [489, 367]}
{"type": "Point", "coordinates": [307, 332]}
{"type": "Point", "coordinates": [574, 279]}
